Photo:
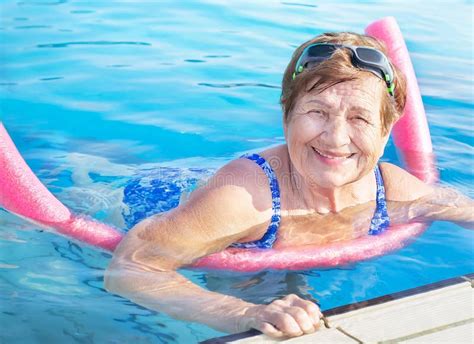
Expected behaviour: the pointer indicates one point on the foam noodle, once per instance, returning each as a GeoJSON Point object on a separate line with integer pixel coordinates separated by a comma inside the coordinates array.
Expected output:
{"type": "Point", "coordinates": [22, 193]}
{"type": "Point", "coordinates": [411, 133]}
{"type": "Point", "coordinates": [312, 256]}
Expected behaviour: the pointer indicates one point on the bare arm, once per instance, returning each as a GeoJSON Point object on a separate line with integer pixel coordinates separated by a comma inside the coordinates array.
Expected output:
{"type": "Point", "coordinates": [412, 200]}
{"type": "Point", "coordinates": [445, 204]}
{"type": "Point", "coordinates": [144, 271]}
{"type": "Point", "coordinates": [143, 266]}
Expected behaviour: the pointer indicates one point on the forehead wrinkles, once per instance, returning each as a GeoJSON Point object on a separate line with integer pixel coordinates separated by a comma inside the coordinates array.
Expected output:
{"type": "Point", "coordinates": [363, 94]}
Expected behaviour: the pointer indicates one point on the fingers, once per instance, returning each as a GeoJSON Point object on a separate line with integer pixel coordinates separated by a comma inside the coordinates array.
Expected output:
{"type": "Point", "coordinates": [290, 316]}
{"type": "Point", "coordinates": [276, 322]}
{"type": "Point", "coordinates": [273, 322]}
{"type": "Point", "coordinates": [286, 323]}
{"type": "Point", "coordinates": [294, 320]}
{"type": "Point", "coordinates": [305, 322]}
{"type": "Point", "coordinates": [269, 330]}
{"type": "Point", "coordinates": [311, 309]}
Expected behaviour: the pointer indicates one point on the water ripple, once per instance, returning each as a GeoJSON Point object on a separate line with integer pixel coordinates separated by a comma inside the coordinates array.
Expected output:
{"type": "Point", "coordinates": [52, 78]}
{"type": "Point", "coordinates": [119, 66]}
{"type": "Point", "coordinates": [48, 3]}
{"type": "Point", "coordinates": [298, 4]}
{"type": "Point", "coordinates": [238, 84]}
{"type": "Point", "coordinates": [445, 102]}
{"type": "Point", "coordinates": [67, 44]}
{"type": "Point", "coordinates": [82, 12]}
{"type": "Point", "coordinates": [217, 56]}
{"type": "Point", "coordinates": [194, 61]}
{"type": "Point", "coordinates": [25, 27]}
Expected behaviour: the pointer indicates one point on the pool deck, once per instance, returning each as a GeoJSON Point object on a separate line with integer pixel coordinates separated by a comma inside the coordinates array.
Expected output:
{"type": "Point", "coordinates": [442, 312]}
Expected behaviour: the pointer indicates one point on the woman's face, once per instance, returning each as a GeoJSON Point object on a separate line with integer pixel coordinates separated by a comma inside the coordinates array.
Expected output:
{"type": "Point", "coordinates": [335, 137]}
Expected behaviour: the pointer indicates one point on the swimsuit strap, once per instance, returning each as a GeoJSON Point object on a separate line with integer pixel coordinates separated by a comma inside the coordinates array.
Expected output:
{"type": "Point", "coordinates": [380, 221]}
{"type": "Point", "coordinates": [270, 236]}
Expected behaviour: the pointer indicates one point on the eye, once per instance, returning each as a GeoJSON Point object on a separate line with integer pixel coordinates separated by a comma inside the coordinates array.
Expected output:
{"type": "Point", "coordinates": [317, 112]}
{"type": "Point", "coordinates": [361, 119]}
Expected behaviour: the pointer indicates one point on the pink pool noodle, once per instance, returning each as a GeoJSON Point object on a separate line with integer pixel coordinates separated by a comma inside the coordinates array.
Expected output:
{"type": "Point", "coordinates": [411, 133]}
{"type": "Point", "coordinates": [23, 194]}
{"type": "Point", "coordinates": [312, 256]}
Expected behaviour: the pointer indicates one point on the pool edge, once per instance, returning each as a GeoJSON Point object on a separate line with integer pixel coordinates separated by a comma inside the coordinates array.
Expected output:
{"type": "Point", "coordinates": [360, 305]}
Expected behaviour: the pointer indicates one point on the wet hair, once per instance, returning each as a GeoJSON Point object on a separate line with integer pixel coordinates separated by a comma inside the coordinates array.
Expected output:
{"type": "Point", "coordinates": [339, 69]}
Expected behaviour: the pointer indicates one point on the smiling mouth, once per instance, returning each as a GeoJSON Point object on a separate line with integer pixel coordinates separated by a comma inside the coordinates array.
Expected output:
{"type": "Point", "coordinates": [333, 156]}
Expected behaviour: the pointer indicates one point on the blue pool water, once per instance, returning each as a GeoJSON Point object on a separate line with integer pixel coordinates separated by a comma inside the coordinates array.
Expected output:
{"type": "Point", "coordinates": [95, 93]}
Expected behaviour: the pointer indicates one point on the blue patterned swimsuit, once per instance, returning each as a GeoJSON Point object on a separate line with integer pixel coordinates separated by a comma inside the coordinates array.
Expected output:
{"type": "Point", "coordinates": [379, 223]}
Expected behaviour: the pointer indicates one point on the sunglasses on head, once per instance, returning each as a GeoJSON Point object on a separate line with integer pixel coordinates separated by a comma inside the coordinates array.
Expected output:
{"type": "Point", "coordinates": [365, 58]}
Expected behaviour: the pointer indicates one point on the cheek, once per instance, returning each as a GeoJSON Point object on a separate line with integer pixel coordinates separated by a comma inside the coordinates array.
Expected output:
{"type": "Point", "coordinates": [302, 130]}
{"type": "Point", "coordinates": [299, 132]}
{"type": "Point", "coordinates": [369, 142]}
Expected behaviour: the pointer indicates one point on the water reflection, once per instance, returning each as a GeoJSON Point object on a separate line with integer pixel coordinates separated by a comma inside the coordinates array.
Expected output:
{"type": "Point", "coordinates": [261, 287]}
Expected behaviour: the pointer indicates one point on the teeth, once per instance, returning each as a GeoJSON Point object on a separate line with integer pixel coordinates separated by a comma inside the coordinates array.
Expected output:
{"type": "Point", "coordinates": [330, 156]}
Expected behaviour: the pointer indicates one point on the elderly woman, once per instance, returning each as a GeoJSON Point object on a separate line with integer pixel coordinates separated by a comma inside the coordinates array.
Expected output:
{"type": "Point", "coordinates": [340, 99]}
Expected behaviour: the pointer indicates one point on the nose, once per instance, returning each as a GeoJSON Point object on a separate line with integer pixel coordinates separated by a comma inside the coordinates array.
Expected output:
{"type": "Point", "coordinates": [336, 133]}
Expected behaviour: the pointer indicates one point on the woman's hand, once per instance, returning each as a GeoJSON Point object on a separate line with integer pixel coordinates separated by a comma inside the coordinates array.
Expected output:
{"type": "Point", "coordinates": [290, 316]}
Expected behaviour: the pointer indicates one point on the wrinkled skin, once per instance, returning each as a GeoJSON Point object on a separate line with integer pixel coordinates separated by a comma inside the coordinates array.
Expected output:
{"type": "Point", "coordinates": [335, 138]}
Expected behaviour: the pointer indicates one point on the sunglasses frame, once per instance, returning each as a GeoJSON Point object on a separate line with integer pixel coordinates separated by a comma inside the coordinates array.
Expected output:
{"type": "Point", "coordinates": [381, 69]}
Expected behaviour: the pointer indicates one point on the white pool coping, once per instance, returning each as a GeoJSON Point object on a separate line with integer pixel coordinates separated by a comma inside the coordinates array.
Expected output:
{"type": "Point", "coordinates": [441, 312]}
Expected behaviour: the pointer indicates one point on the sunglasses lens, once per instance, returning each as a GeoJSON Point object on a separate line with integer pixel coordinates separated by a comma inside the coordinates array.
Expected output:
{"type": "Point", "coordinates": [321, 50]}
{"type": "Point", "coordinates": [317, 54]}
{"type": "Point", "coordinates": [369, 55]}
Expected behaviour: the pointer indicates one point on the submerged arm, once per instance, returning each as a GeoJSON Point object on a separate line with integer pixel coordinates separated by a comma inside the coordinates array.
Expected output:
{"type": "Point", "coordinates": [143, 270]}
{"type": "Point", "coordinates": [412, 200]}
{"type": "Point", "coordinates": [445, 204]}
{"type": "Point", "coordinates": [144, 265]}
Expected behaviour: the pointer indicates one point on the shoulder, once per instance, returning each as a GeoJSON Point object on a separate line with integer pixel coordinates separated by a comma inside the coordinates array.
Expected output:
{"type": "Point", "coordinates": [227, 209]}
{"type": "Point", "coordinates": [239, 180]}
{"type": "Point", "coordinates": [400, 185]}
{"type": "Point", "coordinates": [234, 201]}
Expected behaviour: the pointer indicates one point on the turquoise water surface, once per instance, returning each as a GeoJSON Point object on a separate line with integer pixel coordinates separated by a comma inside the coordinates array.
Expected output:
{"type": "Point", "coordinates": [95, 93]}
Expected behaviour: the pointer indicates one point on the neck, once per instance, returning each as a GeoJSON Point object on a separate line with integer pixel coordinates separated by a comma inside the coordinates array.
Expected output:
{"type": "Point", "coordinates": [332, 199]}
